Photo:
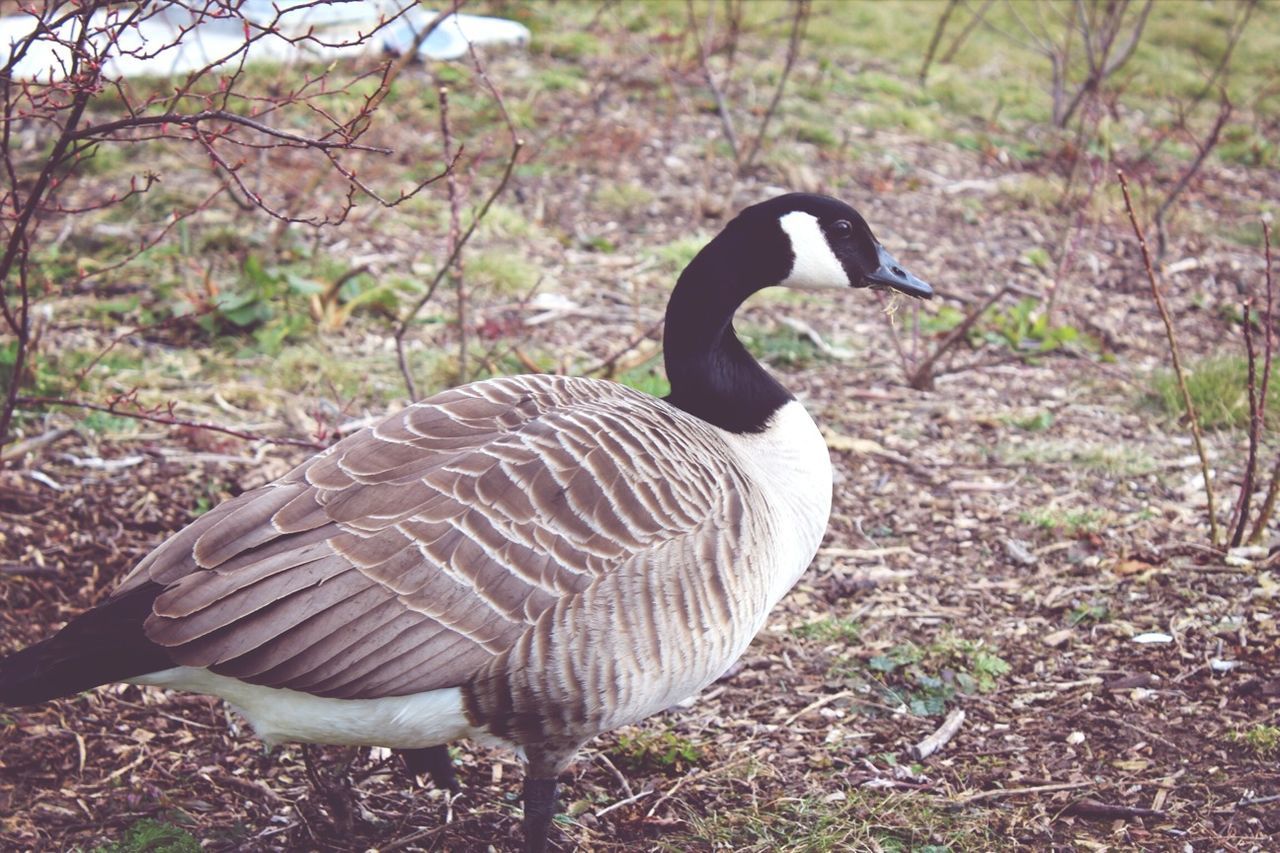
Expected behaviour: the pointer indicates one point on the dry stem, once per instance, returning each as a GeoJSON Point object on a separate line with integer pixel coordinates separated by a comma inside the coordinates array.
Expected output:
{"type": "Point", "coordinates": [1176, 356]}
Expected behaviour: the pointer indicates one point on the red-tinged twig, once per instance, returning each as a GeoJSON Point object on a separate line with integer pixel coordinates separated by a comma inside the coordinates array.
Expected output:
{"type": "Point", "coordinates": [122, 336]}
{"type": "Point", "coordinates": [127, 406]}
{"type": "Point", "coordinates": [455, 232]}
{"type": "Point", "coordinates": [920, 376]}
{"type": "Point", "coordinates": [412, 313]}
{"type": "Point", "coordinates": [1176, 357]}
{"type": "Point", "coordinates": [102, 132]}
{"type": "Point", "coordinates": [396, 68]}
{"type": "Point", "coordinates": [1268, 325]}
{"type": "Point", "coordinates": [963, 36]}
{"type": "Point", "coordinates": [1210, 142]}
{"type": "Point", "coordinates": [231, 125]}
{"type": "Point", "coordinates": [722, 106]}
{"type": "Point", "coordinates": [798, 21]}
{"type": "Point", "coordinates": [517, 145]}
{"type": "Point", "coordinates": [1240, 516]}
{"type": "Point", "coordinates": [938, 30]}
{"type": "Point", "coordinates": [1071, 238]}
{"type": "Point", "coordinates": [607, 365]}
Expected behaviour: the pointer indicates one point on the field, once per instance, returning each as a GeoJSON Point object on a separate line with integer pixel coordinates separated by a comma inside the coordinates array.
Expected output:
{"type": "Point", "coordinates": [1019, 533]}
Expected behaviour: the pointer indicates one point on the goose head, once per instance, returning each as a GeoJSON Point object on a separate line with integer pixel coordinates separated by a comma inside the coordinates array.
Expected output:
{"type": "Point", "coordinates": [816, 242]}
{"type": "Point", "coordinates": [797, 240]}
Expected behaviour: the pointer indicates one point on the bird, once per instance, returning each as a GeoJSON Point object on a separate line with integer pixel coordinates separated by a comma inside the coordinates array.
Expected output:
{"type": "Point", "coordinates": [524, 561]}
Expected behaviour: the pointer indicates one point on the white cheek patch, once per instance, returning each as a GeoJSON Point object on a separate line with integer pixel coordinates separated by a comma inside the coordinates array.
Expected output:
{"type": "Point", "coordinates": [815, 265]}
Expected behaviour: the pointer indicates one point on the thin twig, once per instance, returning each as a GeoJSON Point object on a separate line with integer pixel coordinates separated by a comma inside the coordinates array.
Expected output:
{"type": "Point", "coordinates": [113, 408]}
{"type": "Point", "coordinates": [722, 107]}
{"type": "Point", "coordinates": [1001, 793]}
{"type": "Point", "coordinates": [1241, 515]}
{"type": "Point", "coordinates": [938, 30]}
{"type": "Point", "coordinates": [1211, 142]}
{"type": "Point", "coordinates": [922, 377]}
{"type": "Point", "coordinates": [455, 231]}
{"type": "Point", "coordinates": [1175, 355]}
{"type": "Point", "coordinates": [798, 22]}
{"type": "Point", "coordinates": [1268, 326]}
{"type": "Point", "coordinates": [978, 17]}
{"type": "Point", "coordinates": [444, 268]}
{"type": "Point", "coordinates": [607, 364]}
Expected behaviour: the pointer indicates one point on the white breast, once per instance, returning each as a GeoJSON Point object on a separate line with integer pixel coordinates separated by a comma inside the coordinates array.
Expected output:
{"type": "Point", "coordinates": [790, 462]}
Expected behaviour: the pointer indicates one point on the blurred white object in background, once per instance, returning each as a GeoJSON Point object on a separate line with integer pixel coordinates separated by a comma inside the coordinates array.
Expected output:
{"type": "Point", "coordinates": [172, 39]}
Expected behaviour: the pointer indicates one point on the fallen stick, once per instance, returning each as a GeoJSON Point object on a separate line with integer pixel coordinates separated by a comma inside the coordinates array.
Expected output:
{"type": "Point", "coordinates": [940, 737]}
{"type": "Point", "coordinates": [1090, 808]}
{"type": "Point", "coordinates": [996, 793]}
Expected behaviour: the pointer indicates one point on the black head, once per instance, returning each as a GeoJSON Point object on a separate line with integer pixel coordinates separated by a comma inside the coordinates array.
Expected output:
{"type": "Point", "coordinates": [815, 241]}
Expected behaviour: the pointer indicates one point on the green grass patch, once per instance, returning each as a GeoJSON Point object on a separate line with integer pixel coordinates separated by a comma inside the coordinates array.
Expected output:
{"type": "Point", "coordinates": [625, 197]}
{"type": "Point", "coordinates": [829, 630]}
{"type": "Point", "coordinates": [152, 836]}
{"type": "Point", "coordinates": [673, 257]}
{"type": "Point", "coordinates": [1218, 387]}
{"type": "Point", "coordinates": [645, 750]}
{"type": "Point", "coordinates": [839, 819]}
{"type": "Point", "coordinates": [1262, 740]}
{"type": "Point", "coordinates": [650, 380]}
{"type": "Point", "coordinates": [926, 678]}
{"type": "Point", "coordinates": [1069, 522]}
{"type": "Point", "coordinates": [780, 346]}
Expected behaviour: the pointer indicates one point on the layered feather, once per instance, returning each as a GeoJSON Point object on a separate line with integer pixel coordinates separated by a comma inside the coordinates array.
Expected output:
{"type": "Point", "coordinates": [464, 542]}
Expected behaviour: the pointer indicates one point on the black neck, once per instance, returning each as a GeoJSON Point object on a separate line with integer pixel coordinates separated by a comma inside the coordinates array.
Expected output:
{"type": "Point", "coordinates": [712, 375]}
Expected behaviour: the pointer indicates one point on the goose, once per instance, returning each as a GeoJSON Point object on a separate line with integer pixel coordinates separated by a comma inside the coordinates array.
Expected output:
{"type": "Point", "coordinates": [524, 561]}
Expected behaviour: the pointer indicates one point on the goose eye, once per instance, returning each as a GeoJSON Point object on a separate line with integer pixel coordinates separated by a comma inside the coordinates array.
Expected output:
{"type": "Point", "coordinates": [841, 228]}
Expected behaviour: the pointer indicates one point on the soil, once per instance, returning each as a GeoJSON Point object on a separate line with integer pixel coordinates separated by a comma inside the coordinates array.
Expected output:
{"type": "Point", "coordinates": [1035, 515]}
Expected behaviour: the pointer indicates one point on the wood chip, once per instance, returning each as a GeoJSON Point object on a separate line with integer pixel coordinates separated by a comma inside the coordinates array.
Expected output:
{"type": "Point", "coordinates": [940, 737]}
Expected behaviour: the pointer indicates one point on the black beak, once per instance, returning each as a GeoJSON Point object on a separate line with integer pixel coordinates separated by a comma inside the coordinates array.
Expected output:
{"type": "Point", "coordinates": [891, 274]}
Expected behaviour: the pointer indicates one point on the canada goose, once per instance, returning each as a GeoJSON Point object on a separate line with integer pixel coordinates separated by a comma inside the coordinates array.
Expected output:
{"type": "Point", "coordinates": [525, 561]}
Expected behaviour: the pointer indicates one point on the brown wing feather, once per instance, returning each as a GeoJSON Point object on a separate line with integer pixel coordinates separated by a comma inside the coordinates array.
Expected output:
{"type": "Point", "coordinates": [409, 555]}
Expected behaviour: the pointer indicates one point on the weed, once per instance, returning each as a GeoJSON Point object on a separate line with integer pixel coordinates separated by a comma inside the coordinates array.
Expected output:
{"type": "Point", "coordinates": [1262, 740]}
{"type": "Point", "coordinates": [152, 836]}
{"type": "Point", "coordinates": [650, 380]}
{"type": "Point", "coordinates": [677, 254]}
{"type": "Point", "coordinates": [1069, 522]}
{"type": "Point", "coordinates": [1088, 613]}
{"type": "Point", "coordinates": [622, 198]}
{"type": "Point", "coordinates": [505, 272]}
{"type": "Point", "coordinates": [1024, 327]}
{"type": "Point", "coordinates": [1111, 459]}
{"type": "Point", "coordinates": [817, 134]}
{"type": "Point", "coordinates": [663, 751]}
{"type": "Point", "coordinates": [1037, 422]}
{"type": "Point", "coordinates": [927, 678]}
{"type": "Point", "coordinates": [780, 347]}
{"type": "Point", "coordinates": [843, 819]}
{"type": "Point", "coordinates": [829, 630]}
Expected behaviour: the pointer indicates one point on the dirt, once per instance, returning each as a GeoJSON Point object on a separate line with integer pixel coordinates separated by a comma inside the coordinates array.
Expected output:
{"type": "Point", "coordinates": [1036, 512]}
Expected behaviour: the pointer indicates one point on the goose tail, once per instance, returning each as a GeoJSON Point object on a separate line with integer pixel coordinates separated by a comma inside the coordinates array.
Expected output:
{"type": "Point", "coordinates": [105, 644]}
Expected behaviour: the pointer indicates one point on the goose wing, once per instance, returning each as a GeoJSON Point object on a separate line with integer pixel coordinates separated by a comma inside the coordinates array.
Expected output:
{"type": "Point", "coordinates": [410, 554]}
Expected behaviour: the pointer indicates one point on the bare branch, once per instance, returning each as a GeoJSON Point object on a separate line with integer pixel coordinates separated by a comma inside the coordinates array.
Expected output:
{"type": "Point", "coordinates": [127, 406]}
{"type": "Point", "coordinates": [793, 52]}
{"type": "Point", "coordinates": [1176, 357]}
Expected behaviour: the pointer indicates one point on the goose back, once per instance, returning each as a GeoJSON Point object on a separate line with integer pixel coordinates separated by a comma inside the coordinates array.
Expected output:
{"type": "Point", "coordinates": [572, 553]}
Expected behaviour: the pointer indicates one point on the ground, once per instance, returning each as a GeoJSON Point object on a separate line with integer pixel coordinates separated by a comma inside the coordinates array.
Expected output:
{"type": "Point", "coordinates": [1025, 541]}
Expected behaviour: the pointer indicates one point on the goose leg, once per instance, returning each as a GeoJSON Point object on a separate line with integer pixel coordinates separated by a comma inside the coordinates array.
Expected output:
{"type": "Point", "coordinates": [435, 762]}
{"type": "Point", "coordinates": [539, 808]}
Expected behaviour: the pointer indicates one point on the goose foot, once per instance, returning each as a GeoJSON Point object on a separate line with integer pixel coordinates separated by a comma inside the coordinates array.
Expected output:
{"type": "Point", "coordinates": [435, 762]}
